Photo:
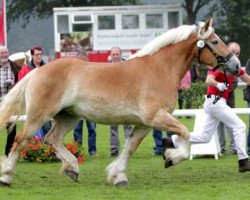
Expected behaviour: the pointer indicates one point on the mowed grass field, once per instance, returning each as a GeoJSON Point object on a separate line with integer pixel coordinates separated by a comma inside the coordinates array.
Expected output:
{"type": "Point", "coordinates": [201, 178]}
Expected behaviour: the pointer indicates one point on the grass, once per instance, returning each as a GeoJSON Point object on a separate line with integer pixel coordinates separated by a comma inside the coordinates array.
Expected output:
{"type": "Point", "coordinates": [201, 178]}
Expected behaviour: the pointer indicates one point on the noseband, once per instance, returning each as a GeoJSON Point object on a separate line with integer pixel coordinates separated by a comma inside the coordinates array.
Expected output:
{"type": "Point", "coordinates": [201, 44]}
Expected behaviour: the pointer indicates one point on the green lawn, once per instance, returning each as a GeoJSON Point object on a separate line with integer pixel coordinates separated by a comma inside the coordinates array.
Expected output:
{"type": "Point", "coordinates": [201, 178]}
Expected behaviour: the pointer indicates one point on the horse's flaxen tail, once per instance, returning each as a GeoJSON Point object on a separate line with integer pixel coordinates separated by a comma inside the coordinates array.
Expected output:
{"type": "Point", "coordinates": [13, 103]}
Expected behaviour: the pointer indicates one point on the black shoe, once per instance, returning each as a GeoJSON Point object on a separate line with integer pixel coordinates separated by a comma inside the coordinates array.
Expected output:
{"type": "Point", "coordinates": [167, 143]}
{"type": "Point", "coordinates": [244, 165]}
{"type": "Point", "coordinates": [223, 151]}
{"type": "Point", "coordinates": [113, 155]}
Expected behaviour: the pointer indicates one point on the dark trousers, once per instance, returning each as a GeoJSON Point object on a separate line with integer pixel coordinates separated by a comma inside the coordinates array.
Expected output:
{"type": "Point", "coordinates": [91, 126]}
{"type": "Point", "coordinates": [157, 135]}
{"type": "Point", "coordinates": [11, 134]}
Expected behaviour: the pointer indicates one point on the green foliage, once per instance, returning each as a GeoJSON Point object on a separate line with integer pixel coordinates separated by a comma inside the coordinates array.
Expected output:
{"type": "Point", "coordinates": [194, 96]}
{"type": "Point", "coordinates": [233, 19]}
{"type": "Point", "coordinates": [192, 7]}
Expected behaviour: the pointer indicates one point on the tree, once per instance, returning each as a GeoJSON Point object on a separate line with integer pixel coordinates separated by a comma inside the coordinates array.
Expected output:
{"type": "Point", "coordinates": [192, 7]}
{"type": "Point", "coordinates": [233, 19]}
{"type": "Point", "coordinates": [43, 8]}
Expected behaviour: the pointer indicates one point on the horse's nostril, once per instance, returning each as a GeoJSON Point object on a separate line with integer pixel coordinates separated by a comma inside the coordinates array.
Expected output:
{"type": "Point", "coordinates": [237, 66]}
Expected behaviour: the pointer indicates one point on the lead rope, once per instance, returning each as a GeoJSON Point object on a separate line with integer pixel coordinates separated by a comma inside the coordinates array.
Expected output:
{"type": "Point", "coordinates": [220, 93]}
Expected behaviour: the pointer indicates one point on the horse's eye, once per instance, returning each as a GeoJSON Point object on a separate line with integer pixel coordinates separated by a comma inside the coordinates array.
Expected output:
{"type": "Point", "coordinates": [214, 42]}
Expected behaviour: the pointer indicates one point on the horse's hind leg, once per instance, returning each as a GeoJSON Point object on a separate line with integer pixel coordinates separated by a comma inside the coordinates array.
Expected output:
{"type": "Point", "coordinates": [8, 164]}
{"type": "Point", "coordinates": [62, 125]}
{"type": "Point", "coordinates": [115, 171]}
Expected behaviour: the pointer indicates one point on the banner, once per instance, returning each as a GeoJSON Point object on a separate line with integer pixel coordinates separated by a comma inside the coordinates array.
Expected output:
{"type": "Point", "coordinates": [2, 24]}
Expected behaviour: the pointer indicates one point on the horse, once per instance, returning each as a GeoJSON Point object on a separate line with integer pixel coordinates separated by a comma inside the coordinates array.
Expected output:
{"type": "Point", "coordinates": [141, 91]}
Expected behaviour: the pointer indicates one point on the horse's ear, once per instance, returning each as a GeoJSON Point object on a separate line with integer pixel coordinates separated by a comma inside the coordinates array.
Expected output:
{"type": "Point", "coordinates": [205, 27]}
{"type": "Point", "coordinates": [208, 23]}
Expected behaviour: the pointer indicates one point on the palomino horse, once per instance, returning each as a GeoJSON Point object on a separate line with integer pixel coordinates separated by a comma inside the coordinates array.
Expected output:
{"type": "Point", "coordinates": [141, 91]}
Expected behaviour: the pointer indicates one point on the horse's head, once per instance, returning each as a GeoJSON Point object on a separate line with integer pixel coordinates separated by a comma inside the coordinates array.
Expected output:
{"type": "Point", "coordinates": [213, 51]}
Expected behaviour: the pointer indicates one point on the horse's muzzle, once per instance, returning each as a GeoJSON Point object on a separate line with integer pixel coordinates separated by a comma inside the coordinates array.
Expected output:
{"type": "Point", "coordinates": [233, 66]}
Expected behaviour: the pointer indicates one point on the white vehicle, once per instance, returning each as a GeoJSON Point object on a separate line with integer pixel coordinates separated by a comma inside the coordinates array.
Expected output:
{"type": "Point", "coordinates": [97, 29]}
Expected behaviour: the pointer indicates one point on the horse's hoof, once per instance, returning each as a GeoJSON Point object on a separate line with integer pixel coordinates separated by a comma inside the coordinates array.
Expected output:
{"type": "Point", "coordinates": [3, 184]}
{"type": "Point", "coordinates": [122, 184]}
{"type": "Point", "coordinates": [168, 163]}
{"type": "Point", "coordinates": [167, 143]}
{"type": "Point", "coordinates": [73, 175]}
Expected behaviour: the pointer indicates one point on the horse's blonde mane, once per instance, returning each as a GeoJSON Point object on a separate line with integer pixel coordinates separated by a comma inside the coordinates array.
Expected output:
{"type": "Point", "coordinates": [170, 37]}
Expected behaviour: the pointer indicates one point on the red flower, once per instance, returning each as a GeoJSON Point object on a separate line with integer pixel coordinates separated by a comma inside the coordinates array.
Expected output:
{"type": "Point", "coordinates": [80, 159]}
{"type": "Point", "coordinates": [37, 151]}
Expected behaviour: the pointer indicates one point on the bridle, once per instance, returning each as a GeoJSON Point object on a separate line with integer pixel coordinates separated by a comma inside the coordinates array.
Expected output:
{"type": "Point", "coordinates": [202, 44]}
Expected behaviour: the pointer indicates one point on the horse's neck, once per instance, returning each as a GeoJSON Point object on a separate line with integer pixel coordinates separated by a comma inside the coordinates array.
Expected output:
{"type": "Point", "coordinates": [178, 57]}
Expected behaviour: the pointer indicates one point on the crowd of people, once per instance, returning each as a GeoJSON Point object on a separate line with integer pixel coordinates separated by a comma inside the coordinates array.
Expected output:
{"type": "Point", "coordinates": [13, 71]}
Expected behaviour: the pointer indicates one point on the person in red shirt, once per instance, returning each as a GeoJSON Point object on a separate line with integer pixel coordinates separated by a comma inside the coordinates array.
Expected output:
{"type": "Point", "coordinates": [36, 61]}
{"type": "Point", "coordinates": [218, 111]}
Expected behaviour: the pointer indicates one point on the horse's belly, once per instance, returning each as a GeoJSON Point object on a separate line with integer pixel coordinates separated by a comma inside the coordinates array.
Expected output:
{"type": "Point", "coordinates": [109, 115]}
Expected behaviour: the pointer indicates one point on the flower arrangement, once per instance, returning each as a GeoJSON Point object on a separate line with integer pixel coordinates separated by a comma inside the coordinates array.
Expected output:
{"type": "Point", "coordinates": [76, 151]}
{"type": "Point", "coordinates": [39, 151]}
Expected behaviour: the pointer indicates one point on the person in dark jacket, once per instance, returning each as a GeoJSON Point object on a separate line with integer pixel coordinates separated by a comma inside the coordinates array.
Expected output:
{"type": "Point", "coordinates": [8, 78]}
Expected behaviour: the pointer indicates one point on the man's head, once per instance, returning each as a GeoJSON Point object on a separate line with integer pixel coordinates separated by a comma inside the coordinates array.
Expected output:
{"type": "Point", "coordinates": [116, 54]}
{"type": "Point", "coordinates": [4, 55]}
{"type": "Point", "coordinates": [82, 54]}
{"type": "Point", "coordinates": [234, 47]}
{"type": "Point", "coordinates": [36, 54]}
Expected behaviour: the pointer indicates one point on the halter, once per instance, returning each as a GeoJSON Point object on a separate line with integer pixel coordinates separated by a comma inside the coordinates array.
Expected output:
{"type": "Point", "coordinates": [201, 44]}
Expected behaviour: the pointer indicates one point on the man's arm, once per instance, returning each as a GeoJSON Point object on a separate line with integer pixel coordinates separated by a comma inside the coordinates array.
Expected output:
{"type": "Point", "coordinates": [210, 81]}
{"type": "Point", "coordinates": [246, 78]}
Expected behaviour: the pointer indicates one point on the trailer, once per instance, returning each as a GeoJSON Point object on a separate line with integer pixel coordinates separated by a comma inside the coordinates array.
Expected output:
{"type": "Point", "coordinates": [97, 29]}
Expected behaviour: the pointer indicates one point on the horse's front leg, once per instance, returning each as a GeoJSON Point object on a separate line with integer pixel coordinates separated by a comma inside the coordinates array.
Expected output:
{"type": "Point", "coordinates": [166, 122]}
{"type": "Point", "coordinates": [115, 171]}
{"type": "Point", "coordinates": [8, 164]}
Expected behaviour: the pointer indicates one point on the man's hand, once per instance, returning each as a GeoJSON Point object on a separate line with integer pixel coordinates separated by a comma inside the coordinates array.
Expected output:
{"type": "Point", "coordinates": [222, 86]}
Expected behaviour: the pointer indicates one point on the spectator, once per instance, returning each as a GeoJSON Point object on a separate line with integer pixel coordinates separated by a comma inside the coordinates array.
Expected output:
{"type": "Point", "coordinates": [157, 134]}
{"type": "Point", "coordinates": [36, 61]}
{"type": "Point", "coordinates": [91, 126]}
{"type": "Point", "coordinates": [235, 49]}
{"type": "Point", "coordinates": [185, 84]}
{"type": "Point", "coordinates": [247, 98]}
{"type": "Point", "coordinates": [8, 78]}
{"type": "Point", "coordinates": [195, 73]}
{"type": "Point", "coordinates": [20, 59]}
{"type": "Point", "coordinates": [116, 56]}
